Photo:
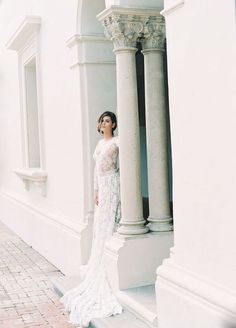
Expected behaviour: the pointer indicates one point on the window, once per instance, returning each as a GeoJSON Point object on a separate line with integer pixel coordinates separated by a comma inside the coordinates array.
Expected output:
{"type": "Point", "coordinates": [26, 42]}
{"type": "Point", "coordinates": [31, 110]}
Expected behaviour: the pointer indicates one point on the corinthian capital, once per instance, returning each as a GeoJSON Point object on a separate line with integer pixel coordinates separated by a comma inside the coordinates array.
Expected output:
{"type": "Point", "coordinates": [154, 33]}
{"type": "Point", "coordinates": [123, 30]}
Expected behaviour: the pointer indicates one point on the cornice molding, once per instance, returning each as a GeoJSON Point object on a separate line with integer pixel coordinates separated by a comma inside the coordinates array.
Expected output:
{"type": "Point", "coordinates": [75, 39]}
{"type": "Point", "coordinates": [90, 50]}
{"type": "Point", "coordinates": [25, 30]}
{"type": "Point", "coordinates": [118, 10]}
{"type": "Point", "coordinates": [172, 8]}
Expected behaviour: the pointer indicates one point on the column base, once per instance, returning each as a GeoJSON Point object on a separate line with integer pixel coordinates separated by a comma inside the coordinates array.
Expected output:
{"type": "Point", "coordinates": [133, 227]}
{"type": "Point", "coordinates": [160, 225]}
{"type": "Point", "coordinates": [131, 261]}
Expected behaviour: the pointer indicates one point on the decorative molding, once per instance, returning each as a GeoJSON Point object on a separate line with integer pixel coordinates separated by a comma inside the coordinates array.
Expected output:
{"type": "Point", "coordinates": [154, 34]}
{"type": "Point", "coordinates": [123, 30]}
{"type": "Point", "coordinates": [84, 63]}
{"type": "Point", "coordinates": [89, 50]}
{"type": "Point", "coordinates": [25, 41]}
{"type": "Point", "coordinates": [177, 277]}
{"type": "Point", "coordinates": [25, 30]}
{"type": "Point", "coordinates": [118, 10]}
{"type": "Point", "coordinates": [125, 26]}
{"type": "Point", "coordinates": [176, 5]}
{"type": "Point", "coordinates": [57, 219]}
{"type": "Point", "coordinates": [85, 38]}
{"type": "Point", "coordinates": [35, 176]}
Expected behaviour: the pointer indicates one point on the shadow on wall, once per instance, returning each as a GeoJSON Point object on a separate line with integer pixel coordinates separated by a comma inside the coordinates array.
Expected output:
{"type": "Point", "coordinates": [229, 325]}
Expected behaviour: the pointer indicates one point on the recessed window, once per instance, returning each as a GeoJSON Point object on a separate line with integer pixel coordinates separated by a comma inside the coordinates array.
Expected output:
{"type": "Point", "coordinates": [25, 41]}
{"type": "Point", "coordinates": [32, 121]}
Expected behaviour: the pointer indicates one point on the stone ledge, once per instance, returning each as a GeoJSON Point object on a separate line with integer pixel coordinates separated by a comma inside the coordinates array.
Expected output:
{"type": "Point", "coordinates": [63, 284]}
{"type": "Point", "coordinates": [141, 302]}
{"type": "Point", "coordinates": [126, 319]}
{"type": "Point", "coordinates": [32, 175]}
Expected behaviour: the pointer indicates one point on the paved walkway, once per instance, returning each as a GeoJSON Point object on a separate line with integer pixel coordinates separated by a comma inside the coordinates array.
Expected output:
{"type": "Point", "coordinates": [26, 295]}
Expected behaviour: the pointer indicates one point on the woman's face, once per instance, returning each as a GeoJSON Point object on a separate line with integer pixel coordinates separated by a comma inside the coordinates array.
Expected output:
{"type": "Point", "coordinates": [106, 124]}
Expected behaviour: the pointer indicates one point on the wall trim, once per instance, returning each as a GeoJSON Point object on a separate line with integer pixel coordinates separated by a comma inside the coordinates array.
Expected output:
{"type": "Point", "coordinates": [119, 10]}
{"type": "Point", "coordinates": [56, 219]}
{"type": "Point", "coordinates": [80, 46]}
{"type": "Point", "coordinates": [24, 31]}
{"type": "Point", "coordinates": [197, 286]}
{"type": "Point", "coordinates": [84, 63]}
{"type": "Point", "coordinates": [176, 5]}
{"type": "Point", "coordinates": [86, 38]}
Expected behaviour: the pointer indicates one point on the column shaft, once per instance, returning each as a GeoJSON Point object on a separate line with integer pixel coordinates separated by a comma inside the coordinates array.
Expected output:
{"type": "Point", "coordinates": [156, 127]}
{"type": "Point", "coordinates": [130, 175]}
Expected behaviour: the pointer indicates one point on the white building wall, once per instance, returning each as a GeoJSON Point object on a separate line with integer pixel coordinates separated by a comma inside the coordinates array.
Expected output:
{"type": "Point", "coordinates": [57, 224]}
{"type": "Point", "coordinates": [196, 287]}
{"type": "Point", "coordinates": [76, 83]}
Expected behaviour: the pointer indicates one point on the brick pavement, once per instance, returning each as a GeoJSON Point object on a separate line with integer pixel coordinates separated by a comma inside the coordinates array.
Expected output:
{"type": "Point", "coordinates": [26, 295]}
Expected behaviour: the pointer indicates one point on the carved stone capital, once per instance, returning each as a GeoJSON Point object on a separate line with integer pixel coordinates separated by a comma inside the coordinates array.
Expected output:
{"type": "Point", "coordinates": [126, 26]}
{"type": "Point", "coordinates": [154, 34]}
{"type": "Point", "coordinates": [123, 30]}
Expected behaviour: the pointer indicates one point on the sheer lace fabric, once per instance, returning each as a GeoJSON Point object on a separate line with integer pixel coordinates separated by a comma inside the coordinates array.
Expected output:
{"type": "Point", "coordinates": [93, 298]}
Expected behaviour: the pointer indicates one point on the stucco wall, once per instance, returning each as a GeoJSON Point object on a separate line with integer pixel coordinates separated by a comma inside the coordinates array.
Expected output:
{"type": "Point", "coordinates": [52, 223]}
{"type": "Point", "coordinates": [201, 68]}
{"type": "Point", "coordinates": [201, 58]}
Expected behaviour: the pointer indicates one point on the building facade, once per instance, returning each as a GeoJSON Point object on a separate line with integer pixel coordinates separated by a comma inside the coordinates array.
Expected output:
{"type": "Point", "coordinates": [168, 71]}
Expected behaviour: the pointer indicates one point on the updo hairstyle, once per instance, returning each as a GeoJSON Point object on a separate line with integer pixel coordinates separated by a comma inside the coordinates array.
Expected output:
{"type": "Point", "coordinates": [113, 119]}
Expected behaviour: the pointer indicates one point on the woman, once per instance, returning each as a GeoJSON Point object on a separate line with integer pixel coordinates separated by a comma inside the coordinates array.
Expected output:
{"type": "Point", "coordinates": [93, 298]}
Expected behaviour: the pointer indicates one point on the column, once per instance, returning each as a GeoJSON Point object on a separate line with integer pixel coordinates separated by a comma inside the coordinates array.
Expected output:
{"type": "Point", "coordinates": [124, 30]}
{"type": "Point", "coordinates": [156, 127]}
{"type": "Point", "coordinates": [124, 26]}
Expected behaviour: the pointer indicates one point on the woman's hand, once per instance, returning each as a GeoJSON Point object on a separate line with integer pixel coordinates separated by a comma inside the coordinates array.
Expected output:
{"type": "Point", "coordinates": [96, 198]}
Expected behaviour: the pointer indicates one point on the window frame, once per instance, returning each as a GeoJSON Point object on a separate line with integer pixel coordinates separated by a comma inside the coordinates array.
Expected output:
{"type": "Point", "coordinates": [25, 41]}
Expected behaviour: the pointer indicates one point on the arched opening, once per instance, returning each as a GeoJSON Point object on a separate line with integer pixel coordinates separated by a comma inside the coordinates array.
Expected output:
{"type": "Point", "coordinates": [87, 23]}
{"type": "Point", "coordinates": [95, 76]}
{"type": "Point", "coordinates": [99, 90]}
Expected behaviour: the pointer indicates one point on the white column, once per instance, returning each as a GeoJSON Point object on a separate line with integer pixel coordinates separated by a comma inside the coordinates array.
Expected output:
{"type": "Point", "coordinates": [131, 245]}
{"type": "Point", "coordinates": [156, 127]}
{"type": "Point", "coordinates": [124, 30]}
{"type": "Point", "coordinates": [132, 221]}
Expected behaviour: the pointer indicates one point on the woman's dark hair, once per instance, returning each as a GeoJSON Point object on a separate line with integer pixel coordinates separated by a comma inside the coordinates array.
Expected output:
{"type": "Point", "coordinates": [113, 119]}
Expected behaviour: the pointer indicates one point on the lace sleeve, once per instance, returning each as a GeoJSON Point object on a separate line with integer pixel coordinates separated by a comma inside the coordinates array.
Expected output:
{"type": "Point", "coordinates": [95, 173]}
{"type": "Point", "coordinates": [95, 177]}
{"type": "Point", "coordinates": [117, 141]}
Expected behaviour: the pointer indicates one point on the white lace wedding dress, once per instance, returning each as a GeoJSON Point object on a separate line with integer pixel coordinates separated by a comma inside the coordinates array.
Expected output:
{"type": "Point", "coordinates": [93, 298]}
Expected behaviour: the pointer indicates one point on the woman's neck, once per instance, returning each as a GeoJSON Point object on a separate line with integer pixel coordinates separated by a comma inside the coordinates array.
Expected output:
{"type": "Point", "coordinates": [107, 136]}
